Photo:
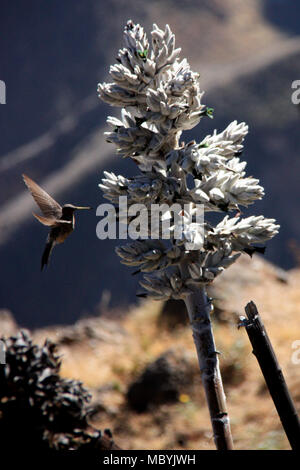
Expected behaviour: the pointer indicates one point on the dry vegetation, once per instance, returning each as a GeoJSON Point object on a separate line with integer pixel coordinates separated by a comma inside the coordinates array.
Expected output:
{"type": "Point", "coordinates": [108, 355]}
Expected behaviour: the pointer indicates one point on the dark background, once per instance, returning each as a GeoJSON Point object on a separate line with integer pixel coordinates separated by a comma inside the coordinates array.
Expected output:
{"type": "Point", "coordinates": [53, 54]}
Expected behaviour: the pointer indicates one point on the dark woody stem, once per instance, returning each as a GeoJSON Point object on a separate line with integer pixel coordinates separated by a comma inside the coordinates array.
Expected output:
{"type": "Point", "coordinates": [198, 308]}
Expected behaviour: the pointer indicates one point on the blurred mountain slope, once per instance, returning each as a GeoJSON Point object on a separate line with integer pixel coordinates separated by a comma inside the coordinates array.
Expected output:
{"type": "Point", "coordinates": [53, 127]}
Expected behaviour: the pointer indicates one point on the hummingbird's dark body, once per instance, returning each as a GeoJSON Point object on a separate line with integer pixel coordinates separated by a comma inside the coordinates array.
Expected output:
{"type": "Point", "coordinates": [61, 219]}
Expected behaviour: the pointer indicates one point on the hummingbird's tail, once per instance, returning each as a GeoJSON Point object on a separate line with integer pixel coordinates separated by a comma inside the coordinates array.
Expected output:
{"type": "Point", "coordinates": [46, 254]}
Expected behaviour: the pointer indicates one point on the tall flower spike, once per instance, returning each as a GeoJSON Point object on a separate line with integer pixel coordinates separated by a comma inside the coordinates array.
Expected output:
{"type": "Point", "coordinates": [159, 96]}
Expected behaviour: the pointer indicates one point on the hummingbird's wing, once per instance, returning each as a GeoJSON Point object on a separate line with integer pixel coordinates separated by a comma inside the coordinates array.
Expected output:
{"type": "Point", "coordinates": [51, 221]}
{"type": "Point", "coordinates": [50, 208]}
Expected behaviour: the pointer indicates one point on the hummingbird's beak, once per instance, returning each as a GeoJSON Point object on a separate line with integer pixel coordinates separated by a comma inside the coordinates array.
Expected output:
{"type": "Point", "coordinates": [82, 208]}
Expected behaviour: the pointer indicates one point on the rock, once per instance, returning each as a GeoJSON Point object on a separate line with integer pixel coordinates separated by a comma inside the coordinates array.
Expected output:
{"type": "Point", "coordinates": [173, 314]}
{"type": "Point", "coordinates": [161, 381]}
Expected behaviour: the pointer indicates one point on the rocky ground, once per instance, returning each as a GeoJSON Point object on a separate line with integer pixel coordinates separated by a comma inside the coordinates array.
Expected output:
{"type": "Point", "coordinates": [142, 370]}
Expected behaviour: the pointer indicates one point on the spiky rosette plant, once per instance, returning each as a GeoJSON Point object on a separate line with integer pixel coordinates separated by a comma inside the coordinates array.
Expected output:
{"type": "Point", "coordinates": [39, 410]}
{"type": "Point", "coordinates": [159, 96]}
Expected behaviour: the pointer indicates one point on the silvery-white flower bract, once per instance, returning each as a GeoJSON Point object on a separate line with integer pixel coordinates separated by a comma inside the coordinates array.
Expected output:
{"type": "Point", "coordinates": [159, 96]}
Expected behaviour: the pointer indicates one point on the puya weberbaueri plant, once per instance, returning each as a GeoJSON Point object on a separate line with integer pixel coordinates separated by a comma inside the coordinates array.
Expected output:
{"type": "Point", "coordinates": [159, 96]}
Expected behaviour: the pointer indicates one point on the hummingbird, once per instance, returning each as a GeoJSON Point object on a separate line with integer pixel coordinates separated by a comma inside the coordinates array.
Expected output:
{"type": "Point", "coordinates": [61, 219]}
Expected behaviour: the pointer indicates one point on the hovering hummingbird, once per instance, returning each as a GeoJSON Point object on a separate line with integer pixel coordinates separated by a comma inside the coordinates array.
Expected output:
{"type": "Point", "coordinates": [60, 219]}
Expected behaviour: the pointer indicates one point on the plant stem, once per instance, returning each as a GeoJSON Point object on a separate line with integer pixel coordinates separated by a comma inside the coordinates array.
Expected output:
{"type": "Point", "coordinates": [265, 355]}
{"type": "Point", "coordinates": [198, 308]}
